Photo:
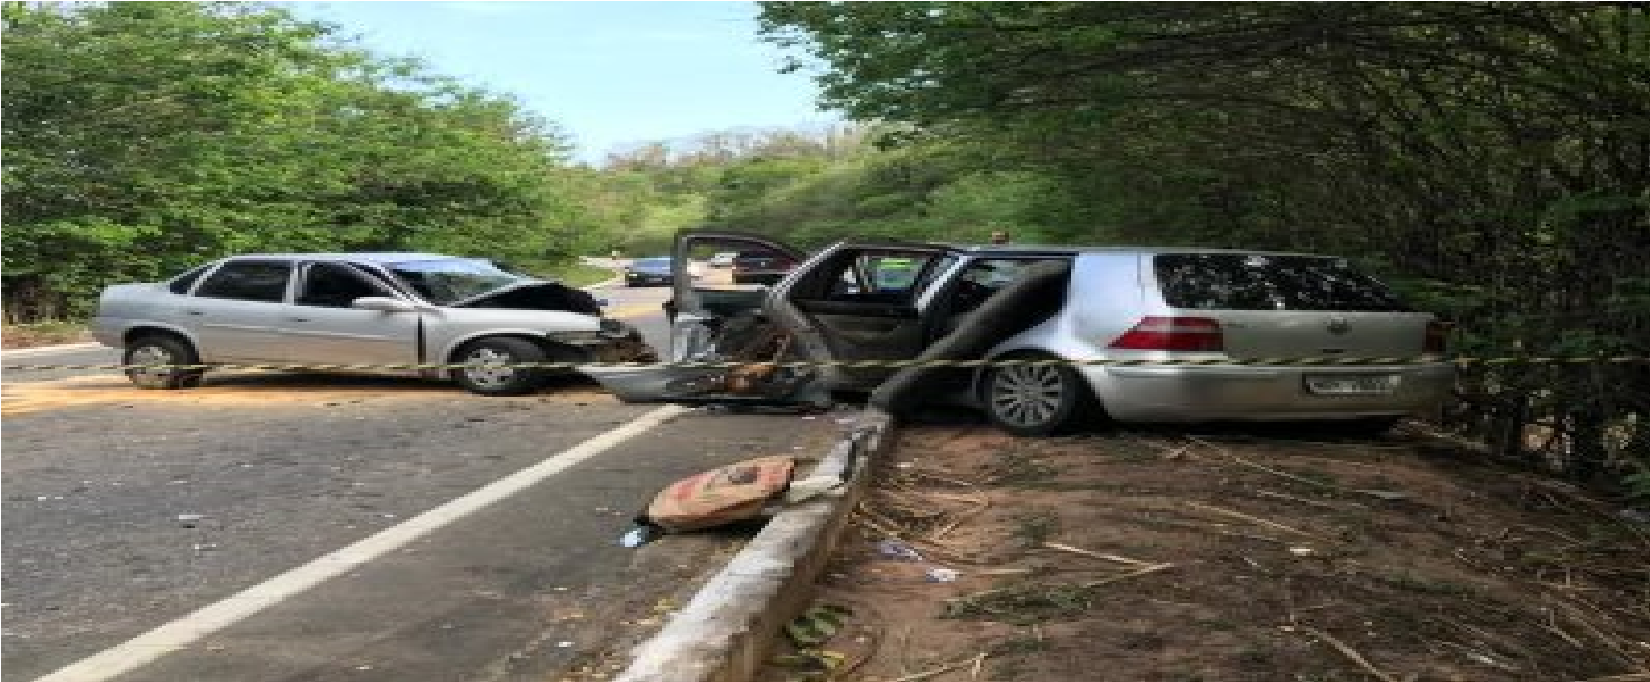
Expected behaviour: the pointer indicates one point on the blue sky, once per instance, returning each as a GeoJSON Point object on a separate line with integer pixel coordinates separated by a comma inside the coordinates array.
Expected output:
{"type": "Point", "coordinates": [610, 73]}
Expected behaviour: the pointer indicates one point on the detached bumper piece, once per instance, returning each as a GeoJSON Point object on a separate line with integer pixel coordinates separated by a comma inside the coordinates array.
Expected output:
{"type": "Point", "coordinates": [748, 385]}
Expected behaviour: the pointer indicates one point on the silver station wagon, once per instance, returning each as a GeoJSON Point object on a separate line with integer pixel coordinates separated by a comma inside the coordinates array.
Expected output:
{"type": "Point", "coordinates": [897, 301]}
{"type": "Point", "coordinates": [360, 308]}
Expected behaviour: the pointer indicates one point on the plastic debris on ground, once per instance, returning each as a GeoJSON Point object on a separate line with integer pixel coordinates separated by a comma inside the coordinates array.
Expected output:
{"type": "Point", "coordinates": [639, 535]}
{"type": "Point", "coordinates": [897, 550]}
{"type": "Point", "coordinates": [943, 575]}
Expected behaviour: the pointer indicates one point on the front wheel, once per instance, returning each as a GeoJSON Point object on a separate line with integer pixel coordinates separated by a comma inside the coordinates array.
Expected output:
{"type": "Point", "coordinates": [1036, 400]}
{"type": "Point", "coordinates": [488, 367]}
{"type": "Point", "coordinates": [154, 360]}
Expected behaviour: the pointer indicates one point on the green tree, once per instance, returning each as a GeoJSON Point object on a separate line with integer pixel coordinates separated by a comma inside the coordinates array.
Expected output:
{"type": "Point", "coordinates": [142, 138]}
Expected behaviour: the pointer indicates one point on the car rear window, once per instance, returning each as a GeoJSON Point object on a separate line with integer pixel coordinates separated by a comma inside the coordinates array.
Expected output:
{"type": "Point", "coordinates": [1236, 281]}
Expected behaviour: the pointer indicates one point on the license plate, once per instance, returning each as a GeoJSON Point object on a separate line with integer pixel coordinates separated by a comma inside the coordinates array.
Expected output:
{"type": "Point", "coordinates": [1368, 384]}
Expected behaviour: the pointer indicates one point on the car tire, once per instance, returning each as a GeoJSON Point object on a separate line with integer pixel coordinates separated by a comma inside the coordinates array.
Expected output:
{"type": "Point", "coordinates": [1033, 400]}
{"type": "Point", "coordinates": [162, 349]}
{"type": "Point", "coordinates": [490, 376]}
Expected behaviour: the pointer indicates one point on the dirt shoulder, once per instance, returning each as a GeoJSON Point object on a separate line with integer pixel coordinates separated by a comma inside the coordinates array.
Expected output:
{"type": "Point", "coordinates": [14, 336]}
{"type": "Point", "coordinates": [1231, 557]}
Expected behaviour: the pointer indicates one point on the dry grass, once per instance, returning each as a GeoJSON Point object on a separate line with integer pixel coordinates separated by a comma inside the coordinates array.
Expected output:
{"type": "Point", "coordinates": [43, 334]}
{"type": "Point", "coordinates": [1161, 557]}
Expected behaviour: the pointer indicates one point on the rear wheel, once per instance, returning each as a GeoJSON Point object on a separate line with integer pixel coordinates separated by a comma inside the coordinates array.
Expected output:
{"type": "Point", "coordinates": [488, 367]}
{"type": "Point", "coordinates": [1036, 400]}
{"type": "Point", "coordinates": [158, 356]}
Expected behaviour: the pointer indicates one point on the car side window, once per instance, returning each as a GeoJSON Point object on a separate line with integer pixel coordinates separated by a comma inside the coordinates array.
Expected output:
{"type": "Point", "coordinates": [334, 285]}
{"type": "Point", "coordinates": [982, 278]}
{"type": "Point", "coordinates": [248, 280]}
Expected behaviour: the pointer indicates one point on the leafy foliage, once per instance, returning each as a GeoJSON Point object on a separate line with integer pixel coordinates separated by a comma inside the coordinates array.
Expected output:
{"type": "Point", "coordinates": [140, 139]}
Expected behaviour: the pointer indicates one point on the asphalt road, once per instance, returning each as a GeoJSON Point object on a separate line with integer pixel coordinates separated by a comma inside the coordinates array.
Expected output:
{"type": "Point", "coordinates": [128, 510]}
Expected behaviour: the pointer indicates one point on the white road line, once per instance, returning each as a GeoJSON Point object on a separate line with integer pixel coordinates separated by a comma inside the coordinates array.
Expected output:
{"type": "Point", "coordinates": [192, 628]}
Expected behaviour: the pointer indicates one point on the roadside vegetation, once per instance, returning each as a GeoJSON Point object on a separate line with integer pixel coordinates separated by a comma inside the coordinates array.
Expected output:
{"type": "Point", "coordinates": [142, 139]}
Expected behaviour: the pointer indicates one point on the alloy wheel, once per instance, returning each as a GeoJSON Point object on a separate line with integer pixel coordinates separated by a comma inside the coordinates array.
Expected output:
{"type": "Point", "coordinates": [1027, 396]}
{"type": "Point", "coordinates": [489, 368]}
{"type": "Point", "coordinates": [150, 362]}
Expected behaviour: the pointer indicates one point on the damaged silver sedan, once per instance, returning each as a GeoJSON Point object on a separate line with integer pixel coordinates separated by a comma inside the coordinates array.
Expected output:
{"type": "Point", "coordinates": [361, 309]}
{"type": "Point", "coordinates": [878, 301]}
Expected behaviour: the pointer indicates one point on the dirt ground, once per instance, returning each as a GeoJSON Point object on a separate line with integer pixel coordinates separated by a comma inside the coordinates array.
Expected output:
{"type": "Point", "coordinates": [36, 335]}
{"type": "Point", "coordinates": [231, 388]}
{"type": "Point", "coordinates": [1238, 555]}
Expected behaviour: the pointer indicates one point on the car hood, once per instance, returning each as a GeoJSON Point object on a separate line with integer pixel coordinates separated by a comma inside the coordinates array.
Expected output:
{"type": "Point", "coordinates": [534, 295]}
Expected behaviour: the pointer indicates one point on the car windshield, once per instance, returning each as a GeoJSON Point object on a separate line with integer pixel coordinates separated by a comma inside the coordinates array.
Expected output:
{"type": "Point", "coordinates": [450, 280]}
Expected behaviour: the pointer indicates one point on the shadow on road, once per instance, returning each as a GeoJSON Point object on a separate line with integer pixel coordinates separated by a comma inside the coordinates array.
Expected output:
{"type": "Point", "coordinates": [262, 387]}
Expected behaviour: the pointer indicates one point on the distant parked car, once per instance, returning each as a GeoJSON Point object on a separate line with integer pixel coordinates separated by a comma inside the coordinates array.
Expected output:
{"type": "Point", "coordinates": [648, 272]}
{"type": "Point", "coordinates": [360, 308]}
{"type": "Point", "coordinates": [762, 266]}
{"type": "Point", "coordinates": [723, 259]}
{"type": "Point", "coordinates": [889, 301]}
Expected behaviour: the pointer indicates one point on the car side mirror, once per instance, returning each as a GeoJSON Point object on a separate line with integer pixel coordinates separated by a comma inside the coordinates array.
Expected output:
{"type": "Point", "coordinates": [383, 304]}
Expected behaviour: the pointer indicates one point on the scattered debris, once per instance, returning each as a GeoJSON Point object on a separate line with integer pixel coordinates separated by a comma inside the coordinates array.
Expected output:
{"type": "Point", "coordinates": [1345, 650]}
{"type": "Point", "coordinates": [638, 536]}
{"type": "Point", "coordinates": [974, 663]}
{"type": "Point", "coordinates": [1097, 555]}
{"type": "Point", "coordinates": [896, 549]}
{"type": "Point", "coordinates": [942, 575]}
{"type": "Point", "coordinates": [721, 496]}
{"type": "Point", "coordinates": [1246, 517]}
{"type": "Point", "coordinates": [1388, 495]}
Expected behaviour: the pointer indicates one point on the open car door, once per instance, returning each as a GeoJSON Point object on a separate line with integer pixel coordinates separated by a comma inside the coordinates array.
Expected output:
{"type": "Point", "coordinates": [858, 302]}
{"type": "Point", "coordinates": [714, 320]}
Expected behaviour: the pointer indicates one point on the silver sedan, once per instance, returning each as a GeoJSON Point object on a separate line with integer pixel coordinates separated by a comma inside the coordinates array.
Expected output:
{"type": "Point", "coordinates": [384, 309]}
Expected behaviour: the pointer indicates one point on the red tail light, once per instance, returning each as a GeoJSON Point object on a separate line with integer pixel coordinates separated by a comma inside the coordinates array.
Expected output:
{"type": "Point", "coordinates": [1437, 334]}
{"type": "Point", "coordinates": [1172, 333]}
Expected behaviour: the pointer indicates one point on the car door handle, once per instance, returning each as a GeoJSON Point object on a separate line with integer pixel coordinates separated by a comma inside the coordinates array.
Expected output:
{"type": "Point", "coordinates": [297, 319]}
{"type": "Point", "coordinates": [196, 313]}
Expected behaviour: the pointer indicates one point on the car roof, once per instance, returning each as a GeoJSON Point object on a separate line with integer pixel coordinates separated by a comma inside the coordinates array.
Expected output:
{"type": "Point", "coordinates": [1053, 249]}
{"type": "Point", "coordinates": [1022, 249]}
{"type": "Point", "coordinates": [358, 257]}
